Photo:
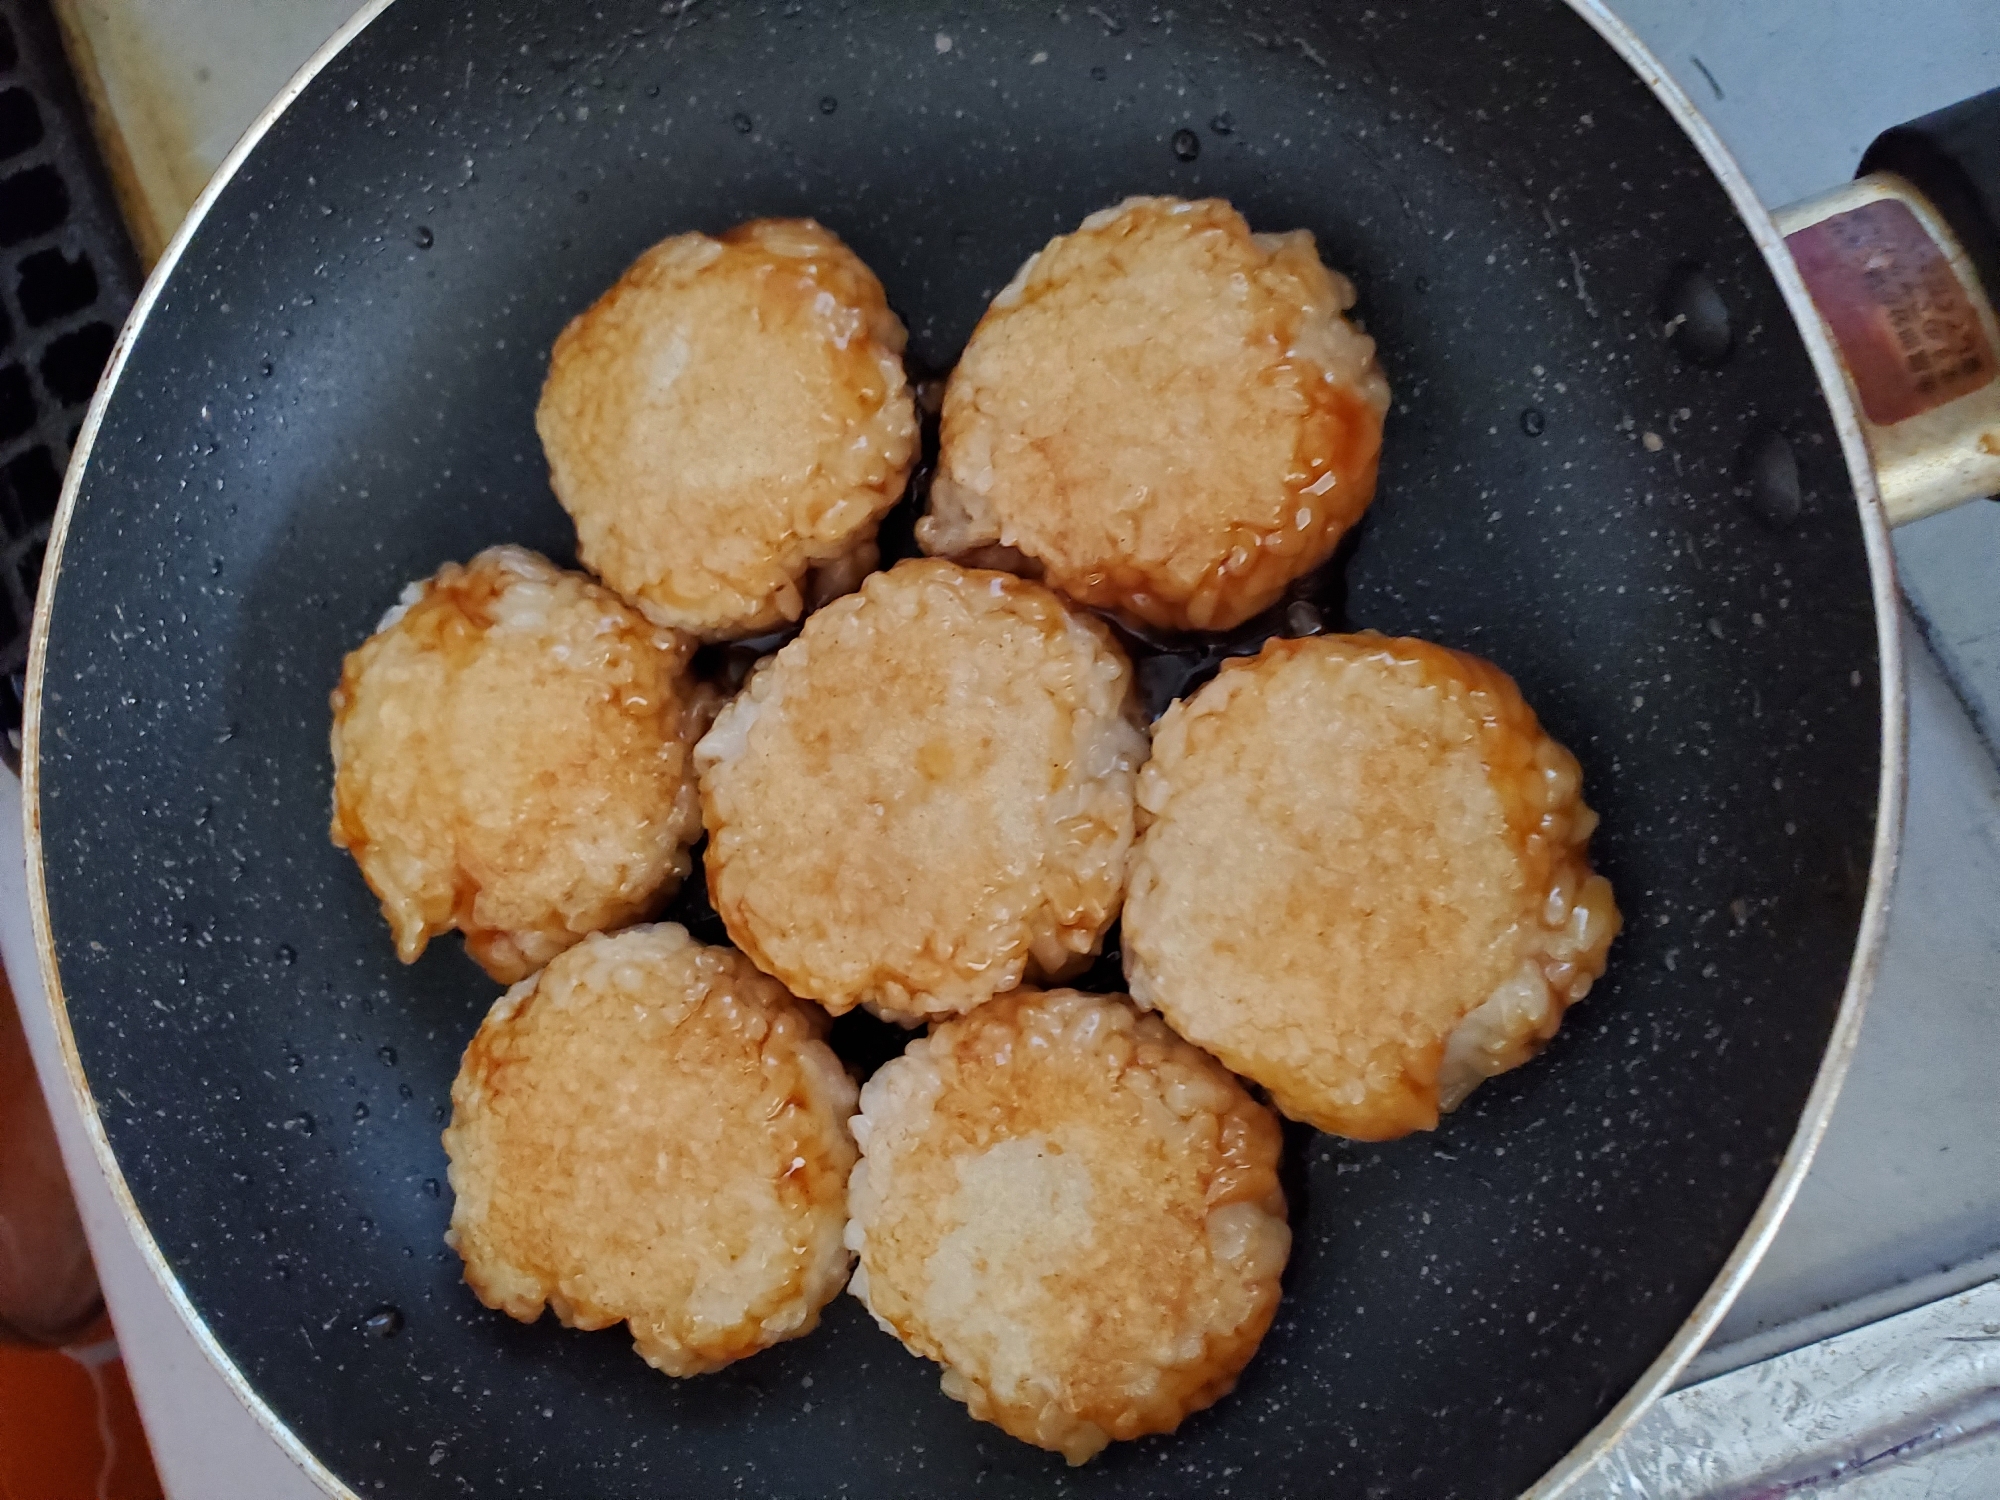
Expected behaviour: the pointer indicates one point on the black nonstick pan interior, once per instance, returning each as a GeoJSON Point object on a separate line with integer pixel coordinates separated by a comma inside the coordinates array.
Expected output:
{"type": "Point", "coordinates": [333, 395]}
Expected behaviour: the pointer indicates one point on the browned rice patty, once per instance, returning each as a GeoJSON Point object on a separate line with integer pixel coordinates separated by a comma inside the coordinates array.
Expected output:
{"type": "Point", "coordinates": [927, 795]}
{"type": "Point", "coordinates": [1074, 1212]}
{"type": "Point", "coordinates": [511, 758]}
{"type": "Point", "coordinates": [651, 1130]}
{"type": "Point", "coordinates": [1363, 879]}
{"type": "Point", "coordinates": [727, 424]}
{"type": "Point", "coordinates": [1164, 414]}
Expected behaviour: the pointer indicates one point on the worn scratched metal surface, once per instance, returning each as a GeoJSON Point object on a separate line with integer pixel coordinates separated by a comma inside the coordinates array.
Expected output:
{"type": "Point", "coordinates": [1904, 1409]}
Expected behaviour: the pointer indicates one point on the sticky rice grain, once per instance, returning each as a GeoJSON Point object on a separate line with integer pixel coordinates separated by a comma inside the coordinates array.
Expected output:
{"type": "Point", "coordinates": [511, 756]}
{"type": "Point", "coordinates": [650, 1131]}
{"type": "Point", "coordinates": [728, 423]}
{"type": "Point", "coordinates": [1074, 1212]}
{"type": "Point", "coordinates": [1363, 879]}
{"type": "Point", "coordinates": [1163, 415]}
{"type": "Point", "coordinates": [927, 796]}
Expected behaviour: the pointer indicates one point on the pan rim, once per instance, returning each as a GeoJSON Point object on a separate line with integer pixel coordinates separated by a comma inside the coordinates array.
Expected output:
{"type": "Point", "coordinates": [1818, 1112]}
{"type": "Point", "coordinates": [1863, 966]}
{"type": "Point", "coordinates": [31, 779]}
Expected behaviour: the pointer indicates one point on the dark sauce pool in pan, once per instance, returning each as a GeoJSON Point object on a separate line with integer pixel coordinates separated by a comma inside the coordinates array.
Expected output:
{"type": "Point", "coordinates": [1168, 665]}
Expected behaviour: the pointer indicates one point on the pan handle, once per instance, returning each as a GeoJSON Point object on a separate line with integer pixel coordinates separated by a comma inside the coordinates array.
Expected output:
{"type": "Point", "coordinates": [1903, 264]}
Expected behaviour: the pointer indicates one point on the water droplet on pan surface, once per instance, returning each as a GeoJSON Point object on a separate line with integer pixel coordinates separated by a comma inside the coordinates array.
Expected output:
{"type": "Point", "coordinates": [1771, 470]}
{"type": "Point", "coordinates": [1696, 319]}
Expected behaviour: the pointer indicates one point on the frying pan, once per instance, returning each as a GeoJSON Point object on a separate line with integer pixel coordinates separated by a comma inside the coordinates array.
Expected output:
{"type": "Point", "coordinates": [1611, 468]}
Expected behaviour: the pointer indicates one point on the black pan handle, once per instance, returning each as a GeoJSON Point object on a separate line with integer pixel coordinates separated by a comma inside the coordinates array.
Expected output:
{"type": "Point", "coordinates": [1903, 264]}
{"type": "Point", "coordinates": [1952, 157]}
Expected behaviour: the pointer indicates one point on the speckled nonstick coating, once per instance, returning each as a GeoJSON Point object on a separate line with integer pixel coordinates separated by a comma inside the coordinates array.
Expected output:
{"type": "Point", "coordinates": [334, 395]}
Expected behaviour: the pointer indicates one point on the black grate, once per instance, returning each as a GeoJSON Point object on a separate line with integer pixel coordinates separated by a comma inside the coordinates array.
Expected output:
{"type": "Point", "coordinates": [67, 278]}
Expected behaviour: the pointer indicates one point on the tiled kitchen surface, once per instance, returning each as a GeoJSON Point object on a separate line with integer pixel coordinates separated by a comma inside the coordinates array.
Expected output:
{"type": "Point", "coordinates": [1903, 1204]}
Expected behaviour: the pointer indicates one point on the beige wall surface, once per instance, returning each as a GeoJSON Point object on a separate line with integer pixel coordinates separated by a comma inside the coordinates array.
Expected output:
{"type": "Point", "coordinates": [169, 97]}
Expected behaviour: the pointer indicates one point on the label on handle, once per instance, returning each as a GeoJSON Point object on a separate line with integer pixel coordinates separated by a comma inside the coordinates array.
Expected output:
{"type": "Point", "coordinates": [1910, 334]}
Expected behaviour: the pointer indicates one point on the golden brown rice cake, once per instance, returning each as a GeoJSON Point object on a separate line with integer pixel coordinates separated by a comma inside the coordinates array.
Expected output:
{"type": "Point", "coordinates": [651, 1130]}
{"type": "Point", "coordinates": [1362, 879]}
{"type": "Point", "coordinates": [511, 758]}
{"type": "Point", "coordinates": [1164, 414]}
{"type": "Point", "coordinates": [1074, 1212]}
{"type": "Point", "coordinates": [927, 795]}
{"type": "Point", "coordinates": [727, 424]}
